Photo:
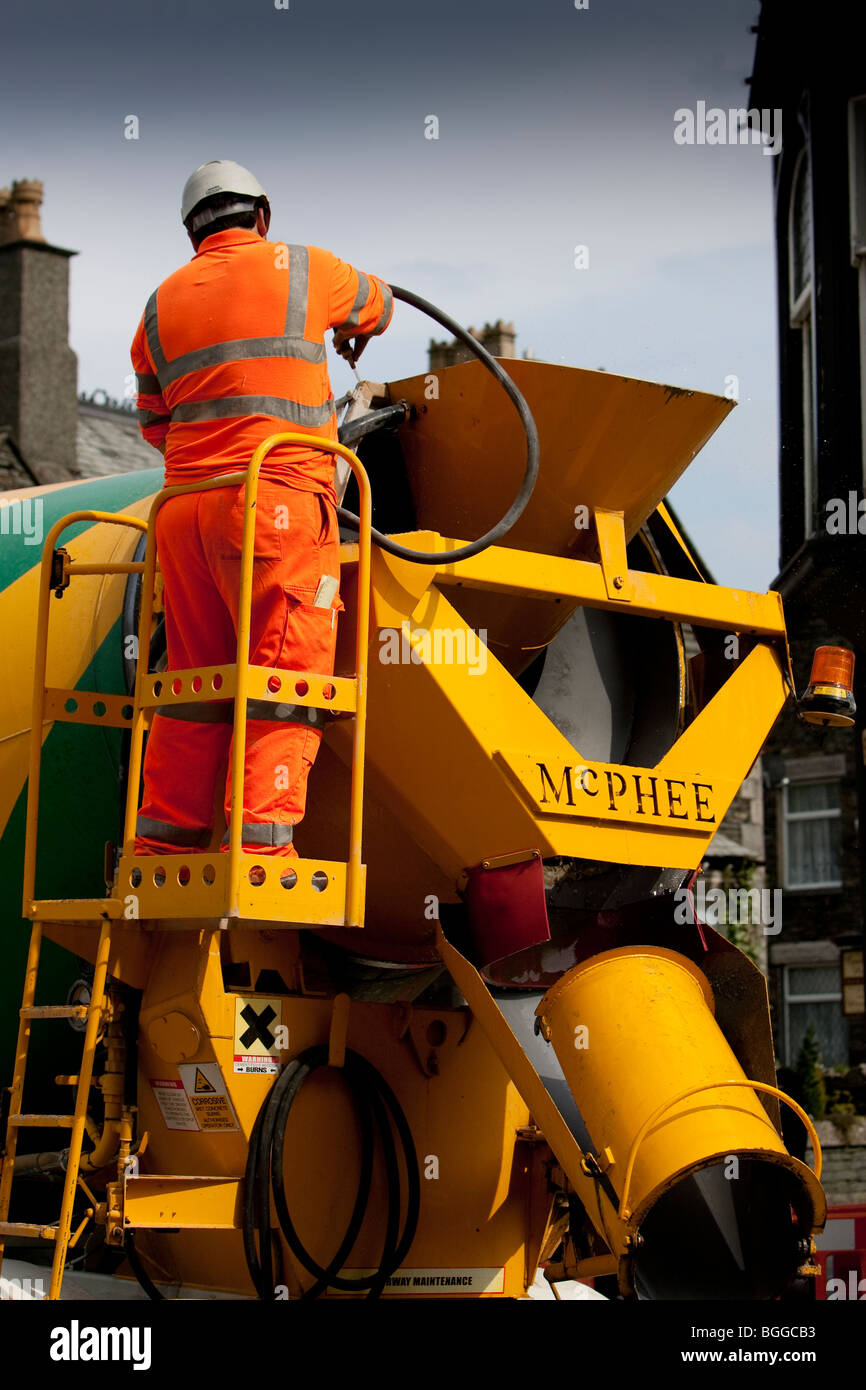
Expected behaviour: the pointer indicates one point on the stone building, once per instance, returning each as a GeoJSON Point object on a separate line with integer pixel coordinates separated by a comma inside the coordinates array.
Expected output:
{"type": "Point", "coordinates": [811, 66]}
{"type": "Point", "coordinates": [47, 433]}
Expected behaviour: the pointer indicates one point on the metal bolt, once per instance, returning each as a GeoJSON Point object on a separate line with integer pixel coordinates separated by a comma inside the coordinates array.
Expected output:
{"type": "Point", "coordinates": [618, 581]}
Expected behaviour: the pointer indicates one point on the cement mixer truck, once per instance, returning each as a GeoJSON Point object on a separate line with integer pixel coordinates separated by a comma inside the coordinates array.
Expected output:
{"type": "Point", "coordinates": [465, 1035]}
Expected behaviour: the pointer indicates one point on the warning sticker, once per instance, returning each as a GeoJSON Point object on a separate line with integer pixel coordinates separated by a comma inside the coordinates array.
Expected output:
{"type": "Point", "coordinates": [206, 1093]}
{"type": "Point", "coordinates": [447, 1281]}
{"type": "Point", "coordinates": [256, 1024]}
{"type": "Point", "coordinates": [176, 1110]}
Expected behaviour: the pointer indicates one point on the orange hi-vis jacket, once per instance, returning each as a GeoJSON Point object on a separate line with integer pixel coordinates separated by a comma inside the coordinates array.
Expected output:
{"type": "Point", "coordinates": [231, 349]}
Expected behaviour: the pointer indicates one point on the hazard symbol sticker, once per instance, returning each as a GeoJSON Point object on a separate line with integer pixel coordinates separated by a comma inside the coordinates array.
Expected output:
{"type": "Point", "coordinates": [207, 1095]}
{"type": "Point", "coordinates": [176, 1110]}
{"type": "Point", "coordinates": [256, 1024]}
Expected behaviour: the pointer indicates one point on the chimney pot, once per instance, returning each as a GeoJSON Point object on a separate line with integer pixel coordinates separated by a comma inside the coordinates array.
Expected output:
{"type": "Point", "coordinates": [25, 202]}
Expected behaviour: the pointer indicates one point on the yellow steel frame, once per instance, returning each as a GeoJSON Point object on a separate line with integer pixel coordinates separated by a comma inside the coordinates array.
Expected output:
{"type": "Point", "coordinates": [296, 892]}
{"type": "Point", "coordinates": [574, 1163]}
{"type": "Point", "coordinates": [641, 593]}
{"type": "Point", "coordinates": [507, 775]}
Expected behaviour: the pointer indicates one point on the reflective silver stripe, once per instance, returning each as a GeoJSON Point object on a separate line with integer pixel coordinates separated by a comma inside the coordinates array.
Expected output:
{"type": "Point", "coordinates": [292, 345]}
{"type": "Point", "coordinates": [386, 310]}
{"type": "Point", "coordinates": [227, 407]}
{"type": "Point", "coordinates": [151, 328]}
{"type": "Point", "coordinates": [152, 417]}
{"type": "Point", "coordinates": [240, 350]}
{"type": "Point", "coordinates": [259, 834]}
{"type": "Point", "coordinates": [296, 714]}
{"type": "Point", "coordinates": [168, 833]}
{"type": "Point", "coordinates": [299, 281]}
{"type": "Point", "coordinates": [360, 300]}
{"type": "Point", "coordinates": [147, 384]}
{"type": "Point", "coordinates": [206, 712]}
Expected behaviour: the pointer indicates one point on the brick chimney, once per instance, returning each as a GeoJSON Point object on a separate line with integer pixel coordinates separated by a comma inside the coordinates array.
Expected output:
{"type": "Point", "coordinates": [38, 369]}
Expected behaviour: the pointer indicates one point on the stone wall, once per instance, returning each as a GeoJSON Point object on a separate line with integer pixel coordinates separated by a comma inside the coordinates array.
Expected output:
{"type": "Point", "coordinates": [844, 1175]}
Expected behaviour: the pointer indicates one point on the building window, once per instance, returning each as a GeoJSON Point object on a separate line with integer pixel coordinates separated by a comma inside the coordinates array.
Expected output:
{"type": "Point", "coordinates": [813, 995]}
{"type": "Point", "coordinates": [857, 206]}
{"type": "Point", "coordinates": [811, 822]}
{"type": "Point", "coordinates": [802, 318]}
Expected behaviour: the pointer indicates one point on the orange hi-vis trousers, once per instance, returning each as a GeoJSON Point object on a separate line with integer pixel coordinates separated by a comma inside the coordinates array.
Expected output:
{"type": "Point", "coordinates": [293, 627]}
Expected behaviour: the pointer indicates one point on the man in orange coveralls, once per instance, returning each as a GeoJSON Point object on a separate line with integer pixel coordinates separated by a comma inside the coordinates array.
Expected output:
{"type": "Point", "coordinates": [230, 349]}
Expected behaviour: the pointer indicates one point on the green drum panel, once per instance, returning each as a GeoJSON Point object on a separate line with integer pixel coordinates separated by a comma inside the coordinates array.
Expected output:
{"type": "Point", "coordinates": [102, 494]}
{"type": "Point", "coordinates": [79, 811]}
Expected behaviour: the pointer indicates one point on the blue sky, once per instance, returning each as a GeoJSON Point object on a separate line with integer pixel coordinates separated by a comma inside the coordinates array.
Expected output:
{"type": "Point", "coordinates": [555, 129]}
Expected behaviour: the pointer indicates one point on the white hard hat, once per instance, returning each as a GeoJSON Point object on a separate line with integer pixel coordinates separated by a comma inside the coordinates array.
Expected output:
{"type": "Point", "coordinates": [218, 176]}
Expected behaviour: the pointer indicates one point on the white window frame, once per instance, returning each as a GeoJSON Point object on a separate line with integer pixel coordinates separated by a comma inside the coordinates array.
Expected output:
{"type": "Point", "coordinates": [802, 316]}
{"type": "Point", "coordinates": [788, 998]}
{"type": "Point", "coordinates": [786, 817]}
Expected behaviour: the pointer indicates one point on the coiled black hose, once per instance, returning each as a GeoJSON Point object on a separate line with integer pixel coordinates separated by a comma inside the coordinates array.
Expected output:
{"type": "Point", "coordinates": [532, 449]}
{"type": "Point", "coordinates": [377, 1108]}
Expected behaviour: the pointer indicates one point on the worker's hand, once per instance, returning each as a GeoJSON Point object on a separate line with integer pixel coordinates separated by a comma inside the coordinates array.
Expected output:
{"type": "Point", "coordinates": [344, 346]}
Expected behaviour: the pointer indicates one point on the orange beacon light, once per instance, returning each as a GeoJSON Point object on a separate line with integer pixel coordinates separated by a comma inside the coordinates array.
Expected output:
{"type": "Point", "coordinates": [829, 699]}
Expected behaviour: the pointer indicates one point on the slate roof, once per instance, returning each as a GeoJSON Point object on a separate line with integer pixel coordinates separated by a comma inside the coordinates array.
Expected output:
{"type": "Point", "coordinates": [108, 443]}
{"type": "Point", "coordinates": [723, 847]}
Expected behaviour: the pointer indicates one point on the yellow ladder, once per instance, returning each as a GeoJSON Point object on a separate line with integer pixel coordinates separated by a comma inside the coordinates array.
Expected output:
{"type": "Point", "coordinates": [60, 1234]}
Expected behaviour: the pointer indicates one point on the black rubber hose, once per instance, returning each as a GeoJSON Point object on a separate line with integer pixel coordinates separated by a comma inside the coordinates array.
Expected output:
{"type": "Point", "coordinates": [274, 1175]}
{"type": "Point", "coordinates": [139, 1271]}
{"type": "Point", "coordinates": [377, 1108]}
{"type": "Point", "coordinates": [129, 619]}
{"type": "Point", "coordinates": [356, 430]}
{"type": "Point", "coordinates": [129, 625]}
{"type": "Point", "coordinates": [532, 449]}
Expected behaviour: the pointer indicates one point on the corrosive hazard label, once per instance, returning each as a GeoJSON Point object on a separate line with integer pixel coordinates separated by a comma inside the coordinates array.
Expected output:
{"type": "Point", "coordinates": [256, 1024]}
{"type": "Point", "coordinates": [207, 1095]}
{"type": "Point", "coordinates": [176, 1110]}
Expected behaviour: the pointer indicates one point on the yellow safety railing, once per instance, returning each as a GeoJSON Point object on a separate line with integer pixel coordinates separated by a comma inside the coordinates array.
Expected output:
{"type": "Point", "coordinates": [146, 696]}
{"type": "Point", "coordinates": [41, 661]}
{"type": "Point", "coordinates": [354, 876]}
